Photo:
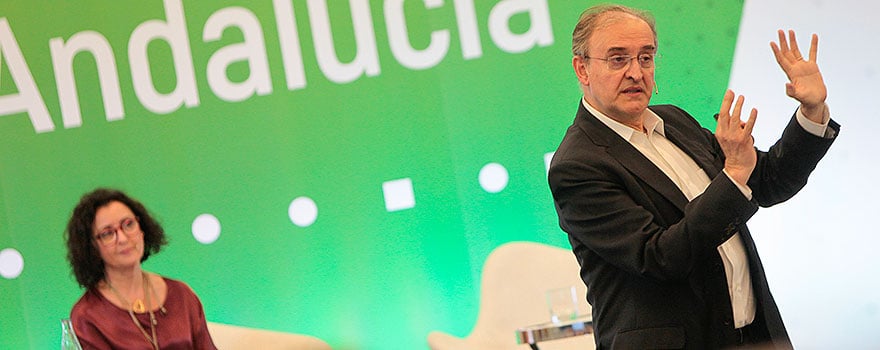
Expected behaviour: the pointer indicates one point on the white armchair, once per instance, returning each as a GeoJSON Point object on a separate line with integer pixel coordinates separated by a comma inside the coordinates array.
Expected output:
{"type": "Point", "coordinates": [514, 281]}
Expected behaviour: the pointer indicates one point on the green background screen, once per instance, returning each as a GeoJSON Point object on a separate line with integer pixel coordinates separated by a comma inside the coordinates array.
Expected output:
{"type": "Point", "coordinates": [350, 204]}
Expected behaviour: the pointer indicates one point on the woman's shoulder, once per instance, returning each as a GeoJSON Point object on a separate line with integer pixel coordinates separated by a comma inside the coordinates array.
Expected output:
{"type": "Point", "coordinates": [177, 286]}
{"type": "Point", "coordinates": [173, 282]}
{"type": "Point", "coordinates": [88, 303]}
{"type": "Point", "coordinates": [90, 296]}
{"type": "Point", "coordinates": [181, 295]}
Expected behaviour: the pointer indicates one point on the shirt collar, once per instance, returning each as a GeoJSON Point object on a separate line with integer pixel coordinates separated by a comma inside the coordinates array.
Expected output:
{"type": "Point", "coordinates": [652, 122]}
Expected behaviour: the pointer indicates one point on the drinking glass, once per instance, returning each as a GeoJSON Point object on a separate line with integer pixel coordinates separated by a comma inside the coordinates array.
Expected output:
{"type": "Point", "coordinates": [69, 341]}
{"type": "Point", "coordinates": [563, 304]}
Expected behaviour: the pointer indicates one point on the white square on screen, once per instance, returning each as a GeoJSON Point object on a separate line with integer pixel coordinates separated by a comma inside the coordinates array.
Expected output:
{"type": "Point", "coordinates": [398, 194]}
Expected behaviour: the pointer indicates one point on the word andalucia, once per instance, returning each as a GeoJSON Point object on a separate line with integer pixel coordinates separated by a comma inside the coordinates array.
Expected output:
{"type": "Point", "coordinates": [252, 50]}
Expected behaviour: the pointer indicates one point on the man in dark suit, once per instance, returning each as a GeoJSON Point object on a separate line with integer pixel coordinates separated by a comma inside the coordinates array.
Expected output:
{"type": "Point", "coordinates": [655, 206]}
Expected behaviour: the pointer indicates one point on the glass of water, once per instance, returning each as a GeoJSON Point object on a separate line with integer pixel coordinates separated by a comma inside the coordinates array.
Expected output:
{"type": "Point", "coordinates": [562, 304]}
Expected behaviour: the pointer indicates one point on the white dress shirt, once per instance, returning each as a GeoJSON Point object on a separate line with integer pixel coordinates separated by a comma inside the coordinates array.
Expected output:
{"type": "Point", "coordinates": [692, 181]}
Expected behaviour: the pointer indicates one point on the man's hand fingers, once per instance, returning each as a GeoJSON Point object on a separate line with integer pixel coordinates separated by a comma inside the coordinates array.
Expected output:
{"type": "Point", "coordinates": [735, 120]}
{"type": "Point", "coordinates": [750, 124]}
{"type": "Point", "coordinates": [793, 46]}
{"type": "Point", "coordinates": [724, 113]}
{"type": "Point", "coordinates": [814, 48]}
{"type": "Point", "coordinates": [783, 43]}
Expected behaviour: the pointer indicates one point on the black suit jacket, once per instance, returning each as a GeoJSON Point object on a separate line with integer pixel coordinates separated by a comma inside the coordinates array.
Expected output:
{"type": "Point", "coordinates": [648, 256]}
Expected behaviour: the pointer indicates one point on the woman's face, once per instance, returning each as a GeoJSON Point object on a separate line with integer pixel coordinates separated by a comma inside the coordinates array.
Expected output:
{"type": "Point", "coordinates": [118, 236]}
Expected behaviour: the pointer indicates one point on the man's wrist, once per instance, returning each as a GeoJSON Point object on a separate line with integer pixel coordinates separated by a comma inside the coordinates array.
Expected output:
{"type": "Point", "coordinates": [814, 113]}
{"type": "Point", "coordinates": [740, 176]}
{"type": "Point", "coordinates": [743, 187]}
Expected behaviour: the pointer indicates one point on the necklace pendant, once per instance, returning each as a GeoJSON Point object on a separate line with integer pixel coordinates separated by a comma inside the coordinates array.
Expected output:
{"type": "Point", "coordinates": [138, 306]}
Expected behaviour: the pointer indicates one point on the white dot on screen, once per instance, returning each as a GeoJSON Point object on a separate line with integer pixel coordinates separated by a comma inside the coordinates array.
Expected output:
{"type": "Point", "coordinates": [206, 228]}
{"type": "Point", "coordinates": [302, 211]}
{"type": "Point", "coordinates": [11, 263]}
{"type": "Point", "coordinates": [493, 177]}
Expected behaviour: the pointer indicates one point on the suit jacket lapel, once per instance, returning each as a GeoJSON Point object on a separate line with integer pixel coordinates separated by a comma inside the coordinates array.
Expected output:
{"type": "Point", "coordinates": [630, 158]}
{"type": "Point", "coordinates": [697, 152]}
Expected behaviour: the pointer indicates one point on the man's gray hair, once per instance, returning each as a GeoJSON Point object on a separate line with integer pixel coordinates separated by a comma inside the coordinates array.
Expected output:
{"type": "Point", "coordinates": [599, 16]}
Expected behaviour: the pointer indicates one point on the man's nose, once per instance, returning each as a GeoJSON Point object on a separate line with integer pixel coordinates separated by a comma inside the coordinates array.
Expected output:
{"type": "Point", "coordinates": [634, 70]}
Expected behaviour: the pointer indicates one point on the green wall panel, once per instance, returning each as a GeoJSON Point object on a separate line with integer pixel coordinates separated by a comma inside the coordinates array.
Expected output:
{"type": "Point", "coordinates": [359, 277]}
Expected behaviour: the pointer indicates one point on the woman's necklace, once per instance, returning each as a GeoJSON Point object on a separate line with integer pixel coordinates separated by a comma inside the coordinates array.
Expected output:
{"type": "Point", "coordinates": [153, 340]}
{"type": "Point", "coordinates": [138, 306]}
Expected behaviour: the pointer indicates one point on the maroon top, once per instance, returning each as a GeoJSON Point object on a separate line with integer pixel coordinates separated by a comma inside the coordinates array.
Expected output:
{"type": "Point", "coordinates": [101, 325]}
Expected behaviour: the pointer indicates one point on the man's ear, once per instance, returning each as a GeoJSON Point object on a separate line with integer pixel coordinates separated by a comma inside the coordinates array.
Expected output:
{"type": "Point", "coordinates": [579, 63]}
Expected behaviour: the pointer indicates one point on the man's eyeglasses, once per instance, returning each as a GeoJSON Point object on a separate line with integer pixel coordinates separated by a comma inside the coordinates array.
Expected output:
{"type": "Point", "coordinates": [128, 225]}
{"type": "Point", "coordinates": [618, 62]}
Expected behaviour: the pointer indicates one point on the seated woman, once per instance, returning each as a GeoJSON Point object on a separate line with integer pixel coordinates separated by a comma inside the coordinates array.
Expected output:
{"type": "Point", "coordinates": [109, 235]}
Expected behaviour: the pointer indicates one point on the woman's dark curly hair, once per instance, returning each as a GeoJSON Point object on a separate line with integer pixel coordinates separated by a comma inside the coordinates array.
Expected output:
{"type": "Point", "coordinates": [82, 250]}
